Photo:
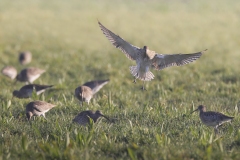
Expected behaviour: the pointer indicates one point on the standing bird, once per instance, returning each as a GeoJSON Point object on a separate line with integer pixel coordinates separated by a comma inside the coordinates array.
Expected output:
{"type": "Point", "coordinates": [29, 74]}
{"type": "Point", "coordinates": [27, 90]}
{"type": "Point", "coordinates": [10, 72]}
{"type": "Point", "coordinates": [25, 57]}
{"type": "Point", "coordinates": [211, 118]}
{"type": "Point", "coordinates": [38, 108]}
{"type": "Point", "coordinates": [85, 92]}
{"type": "Point", "coordinates": [83, 117]}
{"type": "Point", "coordinates": [146, 58]}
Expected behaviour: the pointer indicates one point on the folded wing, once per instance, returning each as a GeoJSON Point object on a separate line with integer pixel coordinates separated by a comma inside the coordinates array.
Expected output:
{"type": "Point", "coordinates": [96, 85]}
{"type": "Point", "coordinates": [161, 61]}
{"type": "Point", "coordinates": [130, 51]}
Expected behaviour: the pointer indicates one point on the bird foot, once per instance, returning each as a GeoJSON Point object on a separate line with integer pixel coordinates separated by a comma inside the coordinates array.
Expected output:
{"type": "Point", "coordinates": [143, 88]}
{"type": "Point", "coordinates": [216, 131]}
{"type": "Point", "coordinates": [134, 81]}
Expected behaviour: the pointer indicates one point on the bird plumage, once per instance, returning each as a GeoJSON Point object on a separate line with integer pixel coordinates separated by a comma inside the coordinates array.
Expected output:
{"type": "Point", "coordinates": [38, 108]}
{"type": "Point", "coordinates": [9, 71]}
{"type": "Point", "coordinates": [132, 52]}
{"type": "Point", "coordinates": [96, 85]}
{"type": "Point", "coordinates": [211, 118]}
{"type": "Point", "coordinates": [25, 57]}
{"type": "Point", "coordinates": [83, 93]}
{"type": "Point", "coordinates": [161, 61]}
{"type": "Point", "coordinates": [146, 58]}
{"type": "Point", "coordinates": [86, 91]}
{"type": "Point", "coordinates": [29, 74]}
{"type": "Point", "coordinates": [83, 118]}
{"type": "Point", "coordinates": [27, 90]}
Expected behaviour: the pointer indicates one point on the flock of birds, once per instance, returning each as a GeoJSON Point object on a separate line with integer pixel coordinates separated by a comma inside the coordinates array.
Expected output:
{"type": "Point", "coordinates": [145, 59]}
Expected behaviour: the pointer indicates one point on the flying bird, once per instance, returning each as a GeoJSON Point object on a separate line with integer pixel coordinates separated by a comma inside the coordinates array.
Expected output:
{"type": "Point", "coordinates": [211, 118]}
{"type": "Point", "coordinates": [27, 90]}
{"type": "Point", "coordinates": [145, 58]}
{"type": "Point", "coordinates": [85, 92]}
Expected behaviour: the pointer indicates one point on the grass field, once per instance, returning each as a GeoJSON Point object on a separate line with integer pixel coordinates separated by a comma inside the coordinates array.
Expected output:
{"type": "Point", "coordinates": [65, 39]}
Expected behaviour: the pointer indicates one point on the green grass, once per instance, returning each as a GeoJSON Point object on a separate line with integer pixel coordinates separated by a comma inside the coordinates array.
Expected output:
{"type": "Point", "coordinates": [65, 39]}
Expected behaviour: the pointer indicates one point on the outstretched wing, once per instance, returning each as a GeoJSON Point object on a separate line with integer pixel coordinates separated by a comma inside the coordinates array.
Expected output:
{"type": "Point", "coordinates": [130, 51]}
{"type": "Point", "coordinates": [161, 61]}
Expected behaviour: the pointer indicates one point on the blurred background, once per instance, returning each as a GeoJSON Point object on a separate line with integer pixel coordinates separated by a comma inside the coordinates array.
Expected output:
{"type": "Point", "coordinates": [65, 39]}
{"type": "Point", "coordinates": [165, 26]}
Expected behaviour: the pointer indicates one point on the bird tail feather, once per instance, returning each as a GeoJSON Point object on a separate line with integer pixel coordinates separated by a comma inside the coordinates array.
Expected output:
{"type": "Point", "coordinates": [147, 76]}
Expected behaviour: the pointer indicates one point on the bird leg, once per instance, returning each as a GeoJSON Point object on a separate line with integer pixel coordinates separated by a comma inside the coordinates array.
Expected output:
{"type": "Point", "coordinates": [216, 130]}
{"type": "Point", "coordinates": [82, 98]}
{"type": "Point", "coordinates": [135, 81]}
{"type": "Point", "coordinates": [90, 102]}
{"type": "Point", "coordinates": [28, 82]}
{"type": "Point", "coordinates": [143, 88]}
{"type": "Point", "coordinates": [44, 116]}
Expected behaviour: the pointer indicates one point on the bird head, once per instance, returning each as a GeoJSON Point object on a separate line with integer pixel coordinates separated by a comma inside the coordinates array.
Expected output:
{"type": "Point", "coordinates": [145, 48]}
{"type": "Point", "coordinates": [15, 93]}
{"type": "Point", "coordinates": [18, 77]}
{"type": "Point", "coordinates": [29, 115]}
{"type": "Point", "coordinates": [99, 114]}
{"type": "Point", "coordinates": [201, 108]}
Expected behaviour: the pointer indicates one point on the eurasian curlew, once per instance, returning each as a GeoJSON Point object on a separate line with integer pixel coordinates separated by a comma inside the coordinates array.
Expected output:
{"type": "Point", "coordinates": [145, 58]}
{"type": "Point", "coordinates": [25, 57]}
{"type": "Point", "coordinates": [10, 72]}
{"type": "Point", "coordinates": [85, 92]}
{"type": "Point", "coordinates": [83, 117]}
{"type": "Point", "coordinates": [29, 74]}
{"type": "Point", "coordinates": [38, 108]}
{"type": "Point", "coordinates": [27, 90]}
{"type": "Point", "coordinates": [211, 118]}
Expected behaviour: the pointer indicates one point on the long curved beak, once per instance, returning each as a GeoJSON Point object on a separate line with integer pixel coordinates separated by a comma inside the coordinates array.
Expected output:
{"type": "Point", "coordinates": [194, 111]}
{"type": "Point", "coordinates": [106, 117]}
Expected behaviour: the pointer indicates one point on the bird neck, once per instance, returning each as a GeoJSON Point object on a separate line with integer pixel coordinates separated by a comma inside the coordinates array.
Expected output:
{"type": "Point", "coordinates": [95, 117]}
{"type": "Point", "coordinates": [29, 115]}
{"type": "Point", "coordinates": [201, 112]}
{"type": "Point", "coordinates": [17, 94]}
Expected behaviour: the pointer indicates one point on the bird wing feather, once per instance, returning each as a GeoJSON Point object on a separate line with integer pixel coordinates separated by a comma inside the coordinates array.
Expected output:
{"type": "Point", "coordinates": [42, 106]}
{"type": "Point", "coordinates": [161, 61]}
{"type": "Point", "coordinates": [96, 85]}
{"type": "Point", "coordinates": [130, 51]}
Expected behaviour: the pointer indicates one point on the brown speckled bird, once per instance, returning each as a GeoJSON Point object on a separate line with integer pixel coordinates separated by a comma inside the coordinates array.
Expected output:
{"type": "Point", "coordinates": [211, 118]}
{"type": "Point", "coordinates": [85, 92]}
{"type": "Point", "coordinates": [38, 108]}
{"type": "Point", "coordinates": [146, 58]}
{"type": "Point", "coordinates": [27, 90]}
{"type": "Point", "coordinates": [29, 74]}
{"type": "Point", "coordinates": [83, 117]}
{"type": "Point", "coordinates": [10, 72]}
{"type": "Point", "coordinates": [25, 57]}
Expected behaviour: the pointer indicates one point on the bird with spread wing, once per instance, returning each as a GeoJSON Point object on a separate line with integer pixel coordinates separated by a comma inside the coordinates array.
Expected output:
{"type": "Point", "coordinates": [146, 58]}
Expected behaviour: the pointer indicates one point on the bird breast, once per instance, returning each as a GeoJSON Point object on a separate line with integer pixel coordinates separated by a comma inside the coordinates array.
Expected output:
{"type": "Point", "coordinates": [143, 65]}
